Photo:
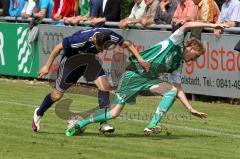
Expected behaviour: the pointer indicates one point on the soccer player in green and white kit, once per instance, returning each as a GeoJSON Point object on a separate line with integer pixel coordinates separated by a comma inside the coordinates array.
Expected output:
{"type": "Point", "coordinates": [164, 57]}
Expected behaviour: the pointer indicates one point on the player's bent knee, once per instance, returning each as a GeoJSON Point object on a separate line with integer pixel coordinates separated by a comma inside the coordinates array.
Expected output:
{"type": "Point", "coordinates": [105, 87]}
{"type": "Point", "coordinates": [170, 87]}
{"type": "Point", "coordinates": [116, 110]}
{"type": "Point", "coordinates": [56, 96]}
{"type": "Point", "coordinates": [162, 88]}
{"type": "Point", "coordinates": [174, 89]}
{"type": "Point", "coordinates": [114, 114]}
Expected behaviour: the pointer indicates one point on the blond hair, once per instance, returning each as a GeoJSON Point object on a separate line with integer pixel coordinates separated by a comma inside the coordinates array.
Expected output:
{"type": "Point", "coordinates": [196, 44]}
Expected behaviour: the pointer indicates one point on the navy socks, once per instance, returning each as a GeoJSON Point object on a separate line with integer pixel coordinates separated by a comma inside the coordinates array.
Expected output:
{"type": "Point", "coordinates": [103, 99]}
{"type": "Point", "coordinates": [47, 103]}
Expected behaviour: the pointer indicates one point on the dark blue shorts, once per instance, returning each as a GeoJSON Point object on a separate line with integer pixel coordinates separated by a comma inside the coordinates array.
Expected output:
{"type": "Point", "coordinates": [72, 68]}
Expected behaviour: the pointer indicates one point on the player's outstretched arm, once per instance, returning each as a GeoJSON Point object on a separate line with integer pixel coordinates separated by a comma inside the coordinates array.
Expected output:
{"type": "Point", "coordinates": [181, 95]}
{"type": "Point", "coordinates": [132, 49]}
{"type": "Point", "coordinates": [198, 24]}
{"type": "Point", "coordinates": [45, 69]}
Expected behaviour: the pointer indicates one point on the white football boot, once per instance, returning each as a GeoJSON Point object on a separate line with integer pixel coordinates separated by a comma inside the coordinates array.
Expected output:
{"type": "Point", "coordinates": [36, 121]}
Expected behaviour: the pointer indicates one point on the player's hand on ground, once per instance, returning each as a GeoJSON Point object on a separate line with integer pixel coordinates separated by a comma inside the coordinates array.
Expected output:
{"type": "Point", "coordinates": [198, 114]}
{"type": "Point", "coordinates": [145, 65]}
{"type": "Point", "coordinates": [43, 71]}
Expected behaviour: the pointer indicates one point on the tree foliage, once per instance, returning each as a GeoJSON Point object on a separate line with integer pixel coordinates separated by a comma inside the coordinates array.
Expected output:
{"type": "Point", "coordinates": [126, 8]}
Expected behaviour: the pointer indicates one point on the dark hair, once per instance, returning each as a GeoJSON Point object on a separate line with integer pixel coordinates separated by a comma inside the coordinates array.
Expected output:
{"type": "Point", "coordinates": [101, 38]}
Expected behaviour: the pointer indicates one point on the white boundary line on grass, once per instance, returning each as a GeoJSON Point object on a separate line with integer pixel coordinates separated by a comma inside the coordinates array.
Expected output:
{"type": "Point", "coordinates": [17, 103]}
{"type": "Point", "coordinates": [206, 131]}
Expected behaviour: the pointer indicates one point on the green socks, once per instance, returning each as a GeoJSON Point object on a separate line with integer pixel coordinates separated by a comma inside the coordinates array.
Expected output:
{"type": "Point", "coordinates": [163, 107]}
{"type": "Point", "coordinates": [100, 115]}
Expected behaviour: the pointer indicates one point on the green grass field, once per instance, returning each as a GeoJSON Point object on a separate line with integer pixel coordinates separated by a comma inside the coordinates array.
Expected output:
{"type": "Point", "coordinates": [186, 137]}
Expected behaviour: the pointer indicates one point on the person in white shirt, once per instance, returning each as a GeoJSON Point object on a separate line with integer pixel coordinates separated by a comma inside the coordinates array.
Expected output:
{"type": "Point", "coordinates": [230, 15]}
{"type": "Point", "coordinates": [28, 9]}
{"type": "Point", "coordinates": [136, 13]}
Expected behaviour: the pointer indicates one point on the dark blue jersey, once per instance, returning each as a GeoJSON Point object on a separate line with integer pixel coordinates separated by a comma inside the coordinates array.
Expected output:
{"type": "Point", "coordinates": [81, 41]}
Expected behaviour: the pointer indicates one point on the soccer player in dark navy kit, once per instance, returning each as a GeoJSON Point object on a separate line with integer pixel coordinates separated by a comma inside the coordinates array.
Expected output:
{"type": "Point", "coordinates": [84, 43]}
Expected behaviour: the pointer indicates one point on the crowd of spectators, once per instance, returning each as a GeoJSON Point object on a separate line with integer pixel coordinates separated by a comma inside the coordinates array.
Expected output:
{"type": "Point", "coordinates": [144, 12]}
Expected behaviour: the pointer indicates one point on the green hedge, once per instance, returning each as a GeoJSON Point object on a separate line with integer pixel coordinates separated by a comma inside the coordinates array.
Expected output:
{"type": "Point", "coordinates": [126, 8]}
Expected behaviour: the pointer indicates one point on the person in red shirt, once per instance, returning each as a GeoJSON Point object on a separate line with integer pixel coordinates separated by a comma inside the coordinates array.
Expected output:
{"type": "Point", "coordinates": [63, 8]}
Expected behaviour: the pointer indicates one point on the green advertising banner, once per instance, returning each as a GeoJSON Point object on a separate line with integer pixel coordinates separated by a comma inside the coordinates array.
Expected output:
{"type": "Point", "coordinates": [17, 56]}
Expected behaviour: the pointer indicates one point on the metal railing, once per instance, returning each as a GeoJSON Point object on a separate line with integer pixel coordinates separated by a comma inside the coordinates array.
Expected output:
{"type": "Point", "coordinates": [233, 30]}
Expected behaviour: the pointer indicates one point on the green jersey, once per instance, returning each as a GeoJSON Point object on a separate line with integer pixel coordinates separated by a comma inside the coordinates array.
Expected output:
{"type": "Point", "coordinates": [164, 57]}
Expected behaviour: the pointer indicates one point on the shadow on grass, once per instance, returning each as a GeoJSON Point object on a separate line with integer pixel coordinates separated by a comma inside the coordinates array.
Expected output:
{"type": "Point", "coordinates": [160, 136]}
{"type": "Point", "coordinates": [51, 133]}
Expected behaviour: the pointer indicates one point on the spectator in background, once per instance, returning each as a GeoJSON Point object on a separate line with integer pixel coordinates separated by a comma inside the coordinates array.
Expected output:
{"type": "Point", "coordinates": [82, 9]}
{"type": "Point", "coordinates": [186, 11]}
{"type": "Point", "coordinates": [1, 8]}
{"type": "Point", "coordinates": [4, 7]}
{"type": "Point", "coordinates": [207, 11]}
{"type": "Point", "coordinates": [138, 9]}
{"type": "Point", "coordinates": [16, 7]}
{"type": "Point", "coordinates": [110, 11]}
{"type": "Point", "coordinates": [28, 9]}
{"type": "Point", "coordinates": [165, 11]}
{"type": "Point", "coordinates": [230, 15]}
{"type": "Point", "coordinates": [95, 13]}
{"type": "Point", "coordinates": [95, 8]}
{"type": "Point", "coordinates": [43, 8]}
{"type": "Point", "coordinates": [148, 16]}
{"type": "Point", "coordinates": [136, 13]}
{"type": "Point", "coordinates": [62, 9]}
